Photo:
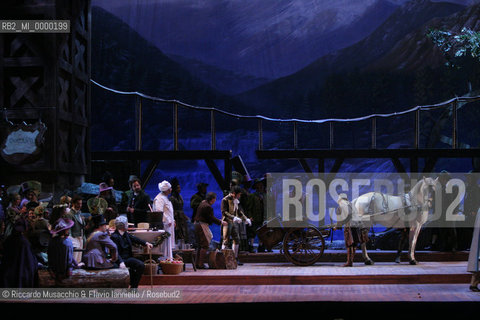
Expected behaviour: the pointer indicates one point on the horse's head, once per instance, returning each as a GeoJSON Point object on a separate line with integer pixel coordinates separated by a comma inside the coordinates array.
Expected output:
{"type": "Point", "coordinates": [427, 191]}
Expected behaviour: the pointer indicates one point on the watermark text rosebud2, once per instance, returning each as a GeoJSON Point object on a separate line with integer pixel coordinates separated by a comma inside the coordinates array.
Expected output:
{"type": "Point", "coordinates": [389, 199]}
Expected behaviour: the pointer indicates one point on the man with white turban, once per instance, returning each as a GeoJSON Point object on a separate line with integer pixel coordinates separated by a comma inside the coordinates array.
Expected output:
{"type": "Point", "coordinates": [161, 203]}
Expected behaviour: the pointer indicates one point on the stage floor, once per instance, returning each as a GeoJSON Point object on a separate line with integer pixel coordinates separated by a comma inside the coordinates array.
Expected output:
{"type": "Point", "coordinates": [284, 282]}
{"type": "Point", "coordinates": [209, 294]}
{"type": "Point", "coordinates": [320, 274]}
{"type": "Point", "coordinates": [385, 286]}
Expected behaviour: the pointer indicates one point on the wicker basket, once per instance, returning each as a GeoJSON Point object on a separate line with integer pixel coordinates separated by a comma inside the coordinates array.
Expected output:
{"type": "Point", "coordinates": [151, 267]}
{"type": "Point", "coordinates": [171, 268]}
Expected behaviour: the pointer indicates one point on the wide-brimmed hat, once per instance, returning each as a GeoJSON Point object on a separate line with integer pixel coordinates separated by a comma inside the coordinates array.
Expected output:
{"type": "Point", "coordinates": [98, 220]}
{"type": "Point", "coordinates": [258, 180]}
{"type": "Point", "coordinates": [62, 224]}
{"type": "Point", "coordinates": [104, 187]}
{"type": "Point", "coordinates": [164, 186]}
{"type": "Point", "coordinates": [97, 205]}
{"type": "Point", "coordinates": [31, 185]}
{"type": "Point", "coordinates": [237, 176]}
{"type": "Point", "coordinates": [25, 187]}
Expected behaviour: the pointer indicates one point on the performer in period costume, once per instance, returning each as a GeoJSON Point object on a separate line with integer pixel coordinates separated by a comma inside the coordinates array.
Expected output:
{"type": "Point", "coordinates": [203, 219]}
{"type": "Point", "coordinates": [19, 266]}
{"type": "Point", "coordinates": [14, 211]}
{"type": "Point", "coordinates": [138, 202]}
{"type": "Point", "coordinates": [60, 250]}
{"type": "Point", "coordinates": [233, 214]}
{"type": "Point", "coordinates": [257, 211]}
{"type": "Point", "coordinates": [97, 244]}
{"type": "Point", "coordinates": [106, 192]}
{"type": "Point", "coordinates": [163, 204]}
{"type": "Point", "coordinates": [198, 197]}
{"type": "Point", "coordinates": [124, 241]}
{"type": "Point", "coordinates": [353, 231]}
{"type": "Point", "coordinates": [77, 232]}
{"type": "Point", "coordinates": [474, 255]}
{"type": "Point", "coordinates": [181, 220]}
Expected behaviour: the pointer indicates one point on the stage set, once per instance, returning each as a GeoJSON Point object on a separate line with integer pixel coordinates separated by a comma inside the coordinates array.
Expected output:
{"type": "Point", "coordinates": [48, 89]}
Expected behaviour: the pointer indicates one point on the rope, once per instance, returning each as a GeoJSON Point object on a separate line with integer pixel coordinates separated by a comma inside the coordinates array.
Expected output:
{"type": "Point", "coordinates": [261, 117]}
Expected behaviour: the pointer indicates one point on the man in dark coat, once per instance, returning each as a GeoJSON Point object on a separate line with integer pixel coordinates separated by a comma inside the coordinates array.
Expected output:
{"type": "Point", "coordinates": [203, 219]}
{"type": "Point", "coordinates": [198, 197]}
{"type": "Point", "coordinates": [19, 266]}
{"type": "Point", "coordinates": [138, 202]}
{"type": "Point", "coordinates": [124, 241]}
{"type": "Point", "coordinates": [97, 244]}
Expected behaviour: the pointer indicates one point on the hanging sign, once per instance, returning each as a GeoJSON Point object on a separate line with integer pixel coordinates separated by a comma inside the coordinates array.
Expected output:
{"type": "Point", "coordinates": [23, 143]}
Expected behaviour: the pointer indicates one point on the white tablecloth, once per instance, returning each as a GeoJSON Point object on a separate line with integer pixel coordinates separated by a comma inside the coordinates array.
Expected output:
{"type": "Point", "coordinates": [149, 236]}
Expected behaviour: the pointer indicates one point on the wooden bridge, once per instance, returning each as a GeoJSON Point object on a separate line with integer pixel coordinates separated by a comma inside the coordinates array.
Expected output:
{"type": "Point", "coordinates": [415, 154]}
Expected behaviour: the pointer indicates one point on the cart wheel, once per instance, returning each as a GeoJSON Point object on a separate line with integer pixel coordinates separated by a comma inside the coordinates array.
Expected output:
{"type": "Point", "coordinates": [303, 246]}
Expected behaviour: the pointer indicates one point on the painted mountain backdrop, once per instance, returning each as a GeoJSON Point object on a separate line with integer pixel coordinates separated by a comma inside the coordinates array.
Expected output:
{"type": "Point", "coordinates": [389, 65]}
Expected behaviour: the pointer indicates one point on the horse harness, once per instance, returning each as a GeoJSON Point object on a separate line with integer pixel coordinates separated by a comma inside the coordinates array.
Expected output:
{"type": "Point", "coordinates": [409, 206]}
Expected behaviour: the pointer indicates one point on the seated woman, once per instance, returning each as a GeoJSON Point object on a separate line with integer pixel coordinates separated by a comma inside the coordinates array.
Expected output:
{"type": "Point", "coordinates": [124, 241]}
{"type": "Point", "coordinates": [60, 250]}
{"type": "Point", "coordinates": [97, 244]}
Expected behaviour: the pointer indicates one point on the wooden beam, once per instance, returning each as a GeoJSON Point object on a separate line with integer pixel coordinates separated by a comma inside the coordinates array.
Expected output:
{"type": "Point", "coordinates": [305, 165]}
{"type": "Point", "coordinates": [321, 165]}
{"type": "Point", "coordinates": [367, 153]}
{"type": "Point", "coordinates": [152, 166]}
{"type": "Point", "coordinates": [398, 165]}
{"type": "Point", "coordinates": [336, 166]}
{"type": "Point", "coordinates": [216, 174]}
{"type": "Point", "coordinates": [430, 164]}
{"type": "Point", "coordinates": [162, 155]}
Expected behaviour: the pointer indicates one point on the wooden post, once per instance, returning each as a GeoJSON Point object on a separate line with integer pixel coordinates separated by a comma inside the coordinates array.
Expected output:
{"type": "Point", "coordinates": [417, 129]}
{"type": "Point", "coordinates": [212, 130]}
{"type": "Point", "coordinates": [138, 124]}
{"type": "Point", "coordinates": [260, 135]}
{"type": "Point", "coordinates": [175, 126]}
{"type": "Point", "coordinates": [455, 130]}
{"type": "Point", "coordinates": [374, 133]}
{"type": "Point", "coordinates": [331, 135]}
{"type": "Point", "coordinates": [295, 136]}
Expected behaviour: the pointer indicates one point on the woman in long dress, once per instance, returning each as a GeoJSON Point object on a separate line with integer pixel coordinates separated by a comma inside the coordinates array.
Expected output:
{"type": "Point", "coordinates": [163, 204]}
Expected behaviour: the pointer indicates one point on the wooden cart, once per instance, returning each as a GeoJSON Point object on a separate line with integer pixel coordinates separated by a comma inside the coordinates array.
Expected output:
{"type": "Point", "coordinates": [302, 244]}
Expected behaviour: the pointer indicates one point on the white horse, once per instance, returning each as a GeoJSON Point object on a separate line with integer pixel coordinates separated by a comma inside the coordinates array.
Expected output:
{"type": "Point", "coordinates": [407, 211]}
